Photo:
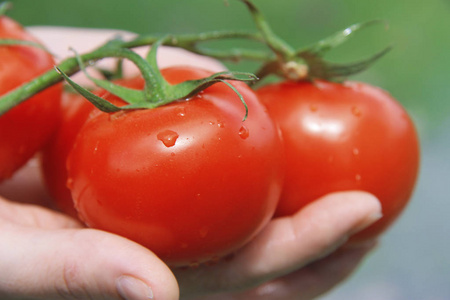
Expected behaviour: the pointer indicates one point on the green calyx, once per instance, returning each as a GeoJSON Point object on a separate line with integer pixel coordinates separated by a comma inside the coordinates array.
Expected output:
{"type": "Point", "coordinates": [157, 91]}
{"type": "Point", "coordinates": [308, 63]}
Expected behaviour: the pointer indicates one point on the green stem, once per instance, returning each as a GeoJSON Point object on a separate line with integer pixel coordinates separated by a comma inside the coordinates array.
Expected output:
{"type": "Point", "coordinates": [278, 46]}
{"type": "Point", "coordinates": [235, 54]}
{"type": "Point", "coordinates": [184, 40]}
{"type": "Point", "coordinates": [70, 65]}
{"type": "Point", "coordinates": [190, 42]}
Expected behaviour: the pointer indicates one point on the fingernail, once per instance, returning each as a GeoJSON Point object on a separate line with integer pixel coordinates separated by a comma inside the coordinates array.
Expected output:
{"type": "Point", "coordinates": [131, 288]}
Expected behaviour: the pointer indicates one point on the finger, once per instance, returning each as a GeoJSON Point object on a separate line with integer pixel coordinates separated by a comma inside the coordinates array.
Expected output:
{"type": "Point", "coordinates": [34, 216]}
{"type": "Point", "coordinates": [313, 280]}
{"type": "Point", "coordinates": [309, 282]}
{"type": "Point", "coordinates": [287, 244]}
{"type": "Point", "coordinates": [79, 264]}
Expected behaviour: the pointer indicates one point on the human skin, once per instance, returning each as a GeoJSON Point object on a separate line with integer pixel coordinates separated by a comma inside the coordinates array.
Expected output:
{"type": "Point", "coordinates": [52, 256]}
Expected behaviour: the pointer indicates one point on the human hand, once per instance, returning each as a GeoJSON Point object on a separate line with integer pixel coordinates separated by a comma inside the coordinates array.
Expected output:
{"type": "Point", "coordinates": [291, 258]}
{"type": "Point", "coordinates": [296, 257]}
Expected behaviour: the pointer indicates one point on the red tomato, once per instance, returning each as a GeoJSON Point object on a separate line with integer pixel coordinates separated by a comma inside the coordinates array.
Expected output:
{"type": "Point", "coordinates": [339, 137]}
{"type": "Point", "coordinates": [188, 180]}
{"type": "Point", "coordinates": [25, 128]}
{"type": "Point", "coordinates": [75, 111]}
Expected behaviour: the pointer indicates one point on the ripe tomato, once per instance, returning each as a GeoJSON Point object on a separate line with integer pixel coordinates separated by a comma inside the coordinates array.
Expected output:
{"type": "Point", "coordinates": [188, 180]}
{"type": "Point", "coordinates": [25, 128]}
{"type": "Point", "coordinates": [338, 137]}
{"type": "Point", "coordinates": [75, 111]}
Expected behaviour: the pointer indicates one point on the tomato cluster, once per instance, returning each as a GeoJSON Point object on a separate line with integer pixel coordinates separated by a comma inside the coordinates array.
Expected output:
{"type": "Point", "coordinates": [191, 180]}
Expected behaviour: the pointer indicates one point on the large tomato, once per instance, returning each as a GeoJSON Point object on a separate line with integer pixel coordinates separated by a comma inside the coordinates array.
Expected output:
{"type": "Point", "coordinates": [188, 180]}
{"type": "Point", "coordinates": [25, 128]}
{"type": "Point", "coordinates": [338, 137]}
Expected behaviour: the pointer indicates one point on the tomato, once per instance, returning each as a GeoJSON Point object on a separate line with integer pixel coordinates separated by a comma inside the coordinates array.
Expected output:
{"type": "Point", "coordinates": [74, 113]}
{"type": "Point", "coordinates": [25, 128]}
{"type": "Point", "coordinates": [189, 180]}
{"type": "Point", "coordinates": [339, 137]}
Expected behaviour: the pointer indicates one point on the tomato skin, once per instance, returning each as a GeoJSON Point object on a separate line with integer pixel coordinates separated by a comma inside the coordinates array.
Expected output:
{"type": "Point", "coordinates": [75, 111]}
{"type": "Point", "coordinates": [25, 128]}
{"type": "Point", "coordinates": [339, 137]}
{"type": "Point", "coordinates": [188, 180]}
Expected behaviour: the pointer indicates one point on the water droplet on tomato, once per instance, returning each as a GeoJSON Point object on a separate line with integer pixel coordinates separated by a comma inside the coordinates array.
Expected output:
{"type": "Point", "coordinates": [356, 111]}
{"type": "Point", "coordinates": [244, 132]}
{"type": "Point", "coordinates": [172, 154]}
{"type": "Point", "coordinates": [358, 177]}
{"type": "Point", "coordinates": [220, 125]}
{"type": "Point", "coordinates": [69, 183]}
{"type": "Point", "coordinates": [355, 151]}
{"type": "Point", "coordinates": [168, 137]}
{"type": "Point", "coordinates": [96, 147]}
{"type": "Point", "coordinates": [181, 111]}
{"type": "Point", "coordinates": [211, 123]}
{"type": "Point", "coordinates": [116, 115]}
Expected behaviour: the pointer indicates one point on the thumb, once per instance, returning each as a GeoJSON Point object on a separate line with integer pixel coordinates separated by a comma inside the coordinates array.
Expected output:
{"type": "Point", "coordinates": [79, 264]}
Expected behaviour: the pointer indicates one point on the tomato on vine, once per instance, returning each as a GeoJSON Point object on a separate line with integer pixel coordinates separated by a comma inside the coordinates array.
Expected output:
{"type": "Point", "coordinates": [25, 128]}
{"type": "Point", "coordinates": [189, 180]}
{"type": "Point", "coordinates": [337, 136]}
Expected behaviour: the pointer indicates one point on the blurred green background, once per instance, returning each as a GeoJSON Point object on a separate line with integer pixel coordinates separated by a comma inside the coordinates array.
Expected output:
{"type": "Point", "coordinates": [412, 260]}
